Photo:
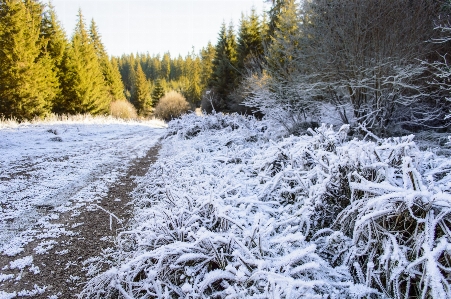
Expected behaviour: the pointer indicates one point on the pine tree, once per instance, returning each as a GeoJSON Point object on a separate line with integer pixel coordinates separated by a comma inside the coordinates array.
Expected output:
{"type": "Point", "coordinates": [140, 97]}
{"type": "Point", "coordinates": [274, 17]}
{"type": "Point", "coordinates": [126, 67]}
{"type": "Point", "coordinates": [166, 66]}
{"type": "Point", "coordinates": [250, 43]}
{"type": "Point", "coordinates": [286, 40]}
{"type": "Point", "coordinates": [54, 37]}
{"type": "Point", "coordinates": [27, 81]}
{"type": "Point", "coordinates": [84, 88]}
{"type": "Point", "coordinates": [207, 56]}
{"type": "Point", "coordinates": [264, 30]}
{"type": "Point", "coordinates": [231, 45]}
{"type": "Point", "coordinates": [223, 78]}
{"type": "Point", "coordinates": [176, 68]}
{"type": "Point", "coordinates": [158, 92]}
{"type": "Point", "coordinates": [131, 80]}
{"type": "Point", "coordinates": [156, 64]}
{"type": "Point", "coordinates": [115, 83]}
{"type": "Point", "coordinates": [110, 71]}
{"type": "Point", "coordinates": [194, 89]}
{"type": "Point", "coordinates": [56, 45]}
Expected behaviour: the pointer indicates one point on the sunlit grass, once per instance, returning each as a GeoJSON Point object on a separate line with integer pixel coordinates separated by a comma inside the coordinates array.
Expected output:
{"type": "Point", "coordinates": [81, 119]}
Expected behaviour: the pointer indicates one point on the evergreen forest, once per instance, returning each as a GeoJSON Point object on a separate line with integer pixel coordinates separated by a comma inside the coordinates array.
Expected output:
{"type": "Point", "coordinates": [376, 64]}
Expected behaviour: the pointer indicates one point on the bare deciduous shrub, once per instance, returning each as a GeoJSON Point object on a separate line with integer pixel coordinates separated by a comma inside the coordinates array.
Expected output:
{"type": "Point", "coordinates": [123, 109]}
{"type": "Point", "coordinates": [172, 105]}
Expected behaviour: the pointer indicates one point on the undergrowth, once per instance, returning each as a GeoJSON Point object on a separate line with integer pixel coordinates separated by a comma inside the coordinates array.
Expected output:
{"type": "Point", "coordinates": [227, 212]}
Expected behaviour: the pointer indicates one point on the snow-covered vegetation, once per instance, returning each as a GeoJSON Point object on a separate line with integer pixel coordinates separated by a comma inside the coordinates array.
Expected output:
{"type": "Point", "coordinates": [233, 209]}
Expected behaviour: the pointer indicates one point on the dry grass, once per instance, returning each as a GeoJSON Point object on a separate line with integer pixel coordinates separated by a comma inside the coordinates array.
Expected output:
{"type": "Point", "coordinates": [123, 109]}
{"type": "Point", "coordinates": [52, 119]}
{"type": "Point", "coordinates": [172, 105]}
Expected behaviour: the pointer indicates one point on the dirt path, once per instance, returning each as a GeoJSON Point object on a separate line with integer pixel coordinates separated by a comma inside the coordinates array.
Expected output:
{"type": "Point", "coordinates": [86, 234]}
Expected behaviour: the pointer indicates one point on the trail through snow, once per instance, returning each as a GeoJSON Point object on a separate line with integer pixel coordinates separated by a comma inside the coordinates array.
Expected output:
{"type": "Point", "coordinates": [52, 177]}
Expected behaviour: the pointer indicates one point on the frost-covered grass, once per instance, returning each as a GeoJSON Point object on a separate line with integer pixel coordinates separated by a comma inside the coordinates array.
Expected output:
{"type": "Point", "coordinates": [231, 211]}
{"type": "Point", "coordinates": [51, 170]}
{"type": "Point", "coordinates": [47, 165]}
{"type": "Point", "coordinates": [54, 119]}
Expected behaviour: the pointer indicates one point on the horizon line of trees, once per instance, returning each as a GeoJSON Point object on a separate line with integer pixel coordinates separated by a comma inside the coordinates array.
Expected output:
{"type": "Point", "coordinates": [152, 76]}
{"type": "Point", "coordinates": [43, 72]}
{"type": "Point", "coordinates": [217, 70]}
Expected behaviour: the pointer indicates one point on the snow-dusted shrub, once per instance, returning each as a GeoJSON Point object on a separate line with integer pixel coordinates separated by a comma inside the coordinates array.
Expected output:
{"type": "Point", "coordinates": [171, 105]}
{"type": "Point", "coordinates": [123, 109]}
{"type": "Point", "coordinates": [399, 220]}
{"type": "Point", "coordinates": [382, 208]}
{"type": "Point", "coordinates": [292, 106]}
{"type": "Point", "coordinates": [191, 125]}
{"type": "Point", "coordinates": [227, 213]}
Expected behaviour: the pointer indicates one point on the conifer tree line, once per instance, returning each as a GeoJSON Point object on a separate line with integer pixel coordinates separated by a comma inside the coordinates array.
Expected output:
{"type": "Point", "coordinates": [377, 63]}
{"type": "Point", "coordinates": [216, 70]}
{"type": "Point", "coordinates": [42, 71]}
{"type": "Point", "coordinates": [147, 78]}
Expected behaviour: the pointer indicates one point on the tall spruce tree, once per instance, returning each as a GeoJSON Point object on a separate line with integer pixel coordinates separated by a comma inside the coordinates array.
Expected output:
{"type": "Point", "coordinates": [27, 81]}
{"type": "Point", "coordinates": [140, 97]}
{"type": "Point", "coordinates": [157, 92]}
{"type": "Point", "coordinates": [56, 45]}
{"type": "Point", "coordinates": [285, 42]}
{"type": "Point", "coordinates": [166, 66]}
{"type": "Point", "coordinates": [207, 55]}
{"type": "Point", "coordinates": [126, 68]}
{"type": "Point", "coordinates": [55, 40]}
{"type": "Point", "coordinates": [274, 17]}
{"type": "Point", "coordinates": [110, 71]}
{"type": "Point", "coordinates": [224, 73]}
{"type": "Point", "coordinates": [131, 79]}
{"type": "Point", "coordinates": [84, 88]}
{"type": "Point", "coordinates": [117, 86]}
{"type": "Point", "coordinates": [250, 43]}
{"type": "Point", "coordinates": [194, 89]}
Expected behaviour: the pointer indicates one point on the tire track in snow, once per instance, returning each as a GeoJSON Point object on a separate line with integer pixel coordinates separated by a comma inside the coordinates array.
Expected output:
{"type": "Point", "coordinates": [59, 230]}
{"type": "Point", "coordinates": [64, 269]}
{"type": "Point", "coordinates": [76, 178]}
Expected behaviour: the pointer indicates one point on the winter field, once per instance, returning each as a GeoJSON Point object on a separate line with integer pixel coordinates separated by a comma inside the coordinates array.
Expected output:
{"type": "Point", "coordinates": [54, 167]}
{"type": "Point", "coordinates": [233, 209]}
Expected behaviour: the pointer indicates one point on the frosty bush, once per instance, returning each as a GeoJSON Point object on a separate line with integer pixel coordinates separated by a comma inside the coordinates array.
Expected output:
{"type": "Point", "coordinates": [171, 105]}
{"type": "Point", "coordinates": [227, 213]}
{"type": "Point", "coordinates": [123, 109]}
{"type": "Point", "coordinates": [191, 125]}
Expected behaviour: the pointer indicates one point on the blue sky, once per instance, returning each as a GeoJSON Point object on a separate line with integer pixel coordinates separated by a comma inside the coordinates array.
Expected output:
{"type": "Point", "coordinates": [156, 26]}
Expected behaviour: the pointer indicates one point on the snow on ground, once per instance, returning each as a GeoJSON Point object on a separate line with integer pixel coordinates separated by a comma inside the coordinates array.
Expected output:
{"type": "Point", "coordinates": [56, 166]}
{"type": "Point", "coordinates": [233, 210]}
